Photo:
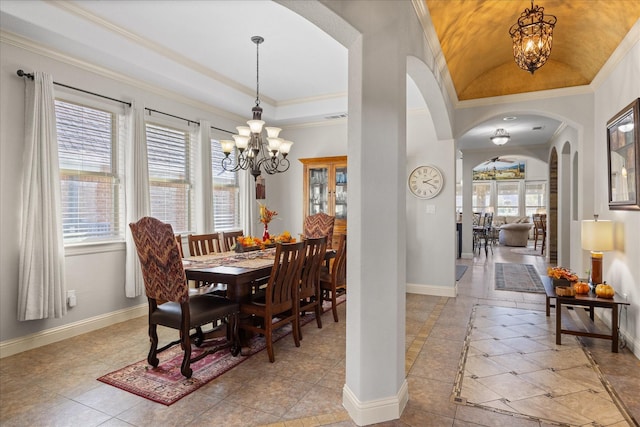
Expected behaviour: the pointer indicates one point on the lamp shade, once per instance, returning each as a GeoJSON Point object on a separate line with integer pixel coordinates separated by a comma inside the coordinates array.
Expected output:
{"type": "Point", "coordinates": [597, 235]}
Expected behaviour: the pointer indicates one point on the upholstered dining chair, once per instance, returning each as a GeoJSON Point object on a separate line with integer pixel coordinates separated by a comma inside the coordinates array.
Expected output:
{"type": "Point", "coordinates": [319, 225]}
{"type": "Point", "coordinates": [309, 297]}
{"type": "Point", "coordinates": [279, 303]}
{"type": "Point", "coordinates": [229, 239]}
{"type": "Point", "coordinates": [203, 244]}
{"type": "Point", "coordinates": [165, 280]}
{"type": "Point", "coordinates": [334, 281]}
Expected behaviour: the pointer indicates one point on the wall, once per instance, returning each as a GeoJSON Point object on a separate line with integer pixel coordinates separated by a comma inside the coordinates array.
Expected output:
{"type": "Point", "coordinates": [622, 266]}
{"type": "Point", "coordinates": [95, 272]}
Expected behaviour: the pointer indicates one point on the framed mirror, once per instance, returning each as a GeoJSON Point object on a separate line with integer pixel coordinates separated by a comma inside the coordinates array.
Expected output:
{"type": "Point", "coordinates": [623, 149]}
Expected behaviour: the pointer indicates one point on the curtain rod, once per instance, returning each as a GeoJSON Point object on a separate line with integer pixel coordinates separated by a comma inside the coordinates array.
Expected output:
{"type": "Point", "coordinates": [151, 110]}
{"type": "Point", "coordinates": [21, 73]}
{"type": "Point", "coordinates": [222, 130]}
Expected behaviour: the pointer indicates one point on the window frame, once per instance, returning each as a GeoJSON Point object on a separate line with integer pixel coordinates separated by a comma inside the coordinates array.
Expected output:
{"type": "Point", "coordinates": [217, 186]}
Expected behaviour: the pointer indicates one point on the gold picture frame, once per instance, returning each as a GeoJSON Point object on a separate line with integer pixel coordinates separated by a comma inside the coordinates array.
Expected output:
{"type": "Point", "coordinates": [623, 152]}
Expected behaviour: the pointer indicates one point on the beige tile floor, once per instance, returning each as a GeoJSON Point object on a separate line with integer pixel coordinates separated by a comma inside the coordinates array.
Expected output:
{"type": "Point", "coordinates": [56, 385]}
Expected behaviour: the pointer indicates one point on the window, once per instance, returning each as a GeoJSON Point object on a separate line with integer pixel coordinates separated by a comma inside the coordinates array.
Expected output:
{"type": "Point", "coordinates": [508, 193]}
{"type": "Point", "coordinates": [89, 181]}
{"type": "Point", "coordinates": [226, 191]}
{"type": "Point", "coordinates": [535, 192]}
{"type": "Point", "coordinates": [481, 196]}
{"type": "Point", "coordinates": [169, 153]}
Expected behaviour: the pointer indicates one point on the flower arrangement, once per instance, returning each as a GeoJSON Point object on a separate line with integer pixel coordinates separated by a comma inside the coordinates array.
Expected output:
{"type": "Point", "coordinates": [266, 215]}
{"type": "Point", "coordinates": [561, 273]}
{"type": "Point", "coordinates": [245, 243]}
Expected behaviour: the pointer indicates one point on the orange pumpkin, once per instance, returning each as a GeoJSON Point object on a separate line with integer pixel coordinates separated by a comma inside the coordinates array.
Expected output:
{"type": "Point", "coordinates": [581, 288]}
{"type": "Point", "coordinates": [604, 291]}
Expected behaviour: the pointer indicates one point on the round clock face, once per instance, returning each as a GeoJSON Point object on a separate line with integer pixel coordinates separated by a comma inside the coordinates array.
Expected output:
{"type": "Point", "coordinates": [426, 182]}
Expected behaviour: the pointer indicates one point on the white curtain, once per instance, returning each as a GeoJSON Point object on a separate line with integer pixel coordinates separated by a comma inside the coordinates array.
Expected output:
{"type": "Point", "coordinates": [137, 198]}
{"type": "Point", "coordinates": [41, 280]}
{"type": "Point", "coordinates": [203, 179]}
{"type": "Point", "coordinates": [248, 205]}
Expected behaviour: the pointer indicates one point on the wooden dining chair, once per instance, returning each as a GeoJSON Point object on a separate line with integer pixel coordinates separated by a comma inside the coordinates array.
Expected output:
{"type": "Point", "coordinates": [309, 295]}
{"type": "Point", "coordinates": [179, 243]}
{"type": "Point", "coordinates": [229, 239]}
{"type": "Point", "coordinates": [203, 244]}
{"type": "Point", "coordinates": [165, 280]}
{"type": "Point", "coordinates": [279, 304]}
{"type": "Point", "coordinates": [334, 282]}
{"type": "Point", "coordinates": [539, 231]}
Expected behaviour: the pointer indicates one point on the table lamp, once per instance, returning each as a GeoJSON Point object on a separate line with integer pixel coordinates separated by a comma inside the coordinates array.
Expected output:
{"type": "Point", "coordinates": [597, 236]}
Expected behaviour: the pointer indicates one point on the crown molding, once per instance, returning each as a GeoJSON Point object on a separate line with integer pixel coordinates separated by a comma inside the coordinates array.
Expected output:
{"type": "Point", "coordinates": [26, 44]}
{"type": "Point", "coordinates": [525, 97]}
{"type": "Point", "coordinates": [311, 99]}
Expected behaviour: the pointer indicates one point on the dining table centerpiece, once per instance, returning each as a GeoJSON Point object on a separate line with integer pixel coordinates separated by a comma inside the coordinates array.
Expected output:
{"type": "Point", "coordinates": [266, 215]}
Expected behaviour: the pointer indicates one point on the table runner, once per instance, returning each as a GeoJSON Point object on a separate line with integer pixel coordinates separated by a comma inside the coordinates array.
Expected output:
{"type": "Point", "coordinates": [254, 259]}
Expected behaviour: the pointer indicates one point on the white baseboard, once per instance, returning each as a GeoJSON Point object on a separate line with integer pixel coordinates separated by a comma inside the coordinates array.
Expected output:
{"type": "Point", "coordinates": [467, 255]}
{"type": "Point", "coordinates": [49, 336]}
{"type": "Point", "coordinates": [375, 411]}
{"type": "Point", "coordinates": [441, 291]}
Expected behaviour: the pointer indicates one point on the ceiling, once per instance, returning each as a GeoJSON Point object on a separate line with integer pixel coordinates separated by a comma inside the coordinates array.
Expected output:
{"type": "Point", "coordinates": [185, 46]}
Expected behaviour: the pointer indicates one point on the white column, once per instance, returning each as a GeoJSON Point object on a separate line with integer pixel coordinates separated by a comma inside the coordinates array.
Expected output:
{"type": "Point", "coordinates": [376, 388]}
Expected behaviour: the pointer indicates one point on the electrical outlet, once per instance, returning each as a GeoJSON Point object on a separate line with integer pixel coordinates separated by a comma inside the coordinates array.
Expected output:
{"type": "Point", "coordinates": [71, 298]}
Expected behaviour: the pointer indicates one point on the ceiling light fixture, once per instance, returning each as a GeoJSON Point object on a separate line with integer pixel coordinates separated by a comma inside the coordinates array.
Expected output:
{"type": "Point", "coordinates": [532, 38]}
{"type": "Point", "coordinates": [253, 153]}
{"type": "Point", "coordinates": [500, 137]}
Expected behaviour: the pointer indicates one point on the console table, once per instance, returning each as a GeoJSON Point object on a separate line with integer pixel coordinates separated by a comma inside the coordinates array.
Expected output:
{"type": "Point", "coordinates": [590, 301]}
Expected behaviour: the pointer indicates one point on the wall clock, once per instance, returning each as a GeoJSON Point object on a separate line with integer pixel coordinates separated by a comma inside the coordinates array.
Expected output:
{"type": "Point", "coordinates": [426, 182]}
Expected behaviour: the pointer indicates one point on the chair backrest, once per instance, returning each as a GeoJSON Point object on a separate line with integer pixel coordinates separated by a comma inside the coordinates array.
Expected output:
{"type": "Point", "coordinates": [162, 269]}
{"type": "Point", "coordinates": [319, 225]}
{"type": "Point", "coordinates": [314, 252]}
{"type": "Point", "coordinates": [229, 239]}
{"type": "Point", "coordinates": [203, 244]}
{"type": "Point", "coordinates": [339, 269]}
{"type": "Point", "coordinates": [284, 282]}
{"type": "Point", "coordinates": [540, 222]}
{"type": "Point", "coordinates": [179, 243]}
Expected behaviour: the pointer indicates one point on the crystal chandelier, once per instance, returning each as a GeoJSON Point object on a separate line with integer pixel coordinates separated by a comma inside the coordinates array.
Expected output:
{"type": "Point", "coordinates": [532, 38]}
{"type": "Point", "coordinates": [500, 137]}
{"type": "Point", "coordinates": [253, 152]}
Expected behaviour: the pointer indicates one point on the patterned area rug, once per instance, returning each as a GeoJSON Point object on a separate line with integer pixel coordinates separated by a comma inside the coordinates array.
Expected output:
{"type": "Point", "coordinates": [518, 278]}
{"type": "Point", "coordinates": [165, 384]}
{"type": "Point", "coordinates": [510, 364]}
{"type": "Point", "coordinates": [527, 251]}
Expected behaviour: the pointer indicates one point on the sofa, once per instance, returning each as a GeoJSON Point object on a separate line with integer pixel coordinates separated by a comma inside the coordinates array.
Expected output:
{"type": "Point", "coordinates": [514, 230]}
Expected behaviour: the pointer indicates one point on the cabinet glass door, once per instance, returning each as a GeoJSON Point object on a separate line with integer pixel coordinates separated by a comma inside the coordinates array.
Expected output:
{"type": "Point", "coordinates": [318, 190]}
{"type": "Point", "coordinates": [341, 193]}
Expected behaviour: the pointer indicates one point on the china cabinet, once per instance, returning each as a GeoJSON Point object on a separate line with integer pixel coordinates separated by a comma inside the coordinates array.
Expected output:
{"type": "Point", "coordinates": [325, 190]}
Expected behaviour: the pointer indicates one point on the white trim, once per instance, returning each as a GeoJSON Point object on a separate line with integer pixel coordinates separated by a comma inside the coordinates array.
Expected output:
{"type": "Point", "coordinates": [441, 291]}
{"type": "Point", "coordinates": [70, 330]}
{"type": "Point", "coordinates": [375, 411]}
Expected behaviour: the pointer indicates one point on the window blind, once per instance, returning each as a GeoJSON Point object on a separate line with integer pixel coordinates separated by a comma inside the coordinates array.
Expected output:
{"type": "Point", "coordinates": [226, 191]}
{"type": "Point", "coordinates": [89, 181]}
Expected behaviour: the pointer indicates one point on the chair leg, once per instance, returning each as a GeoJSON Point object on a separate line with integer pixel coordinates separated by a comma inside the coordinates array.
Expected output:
{"type": "Point", "coordinates": [334, 305]}
{"type": "Point", "coordinates": [297, 331]}
{"type": "Point", "coordinates": [268, 337]}
{"type": "Point", "coordinates": [185, 339]}
{"type": "Point", "coordinates": [152, 358]}
{"type": "Point", "coordinates": [318, 308]}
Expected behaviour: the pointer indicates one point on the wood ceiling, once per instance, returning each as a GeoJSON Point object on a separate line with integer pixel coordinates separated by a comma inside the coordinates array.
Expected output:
{"type": "Point", "coordinates": [474, 35]}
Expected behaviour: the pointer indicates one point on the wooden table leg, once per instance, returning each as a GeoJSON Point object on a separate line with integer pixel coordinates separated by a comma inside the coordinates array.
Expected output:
{"type": "Point", "coordinates": [548, 305]}
{"type": "Point", "coordinates": [614, 329]}
{"type": "Point", "coordinates": [591, 309]}
{"type": "Point", "coordinates": [558, 322]}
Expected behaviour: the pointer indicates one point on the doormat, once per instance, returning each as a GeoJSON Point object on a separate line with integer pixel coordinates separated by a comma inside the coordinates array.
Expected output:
{"type": "Point", "coordinates": [511, 365]}
{"type": "Point", "coordinates": [518, 278]}
{"type": "Point", "coordinates": [165, 384]}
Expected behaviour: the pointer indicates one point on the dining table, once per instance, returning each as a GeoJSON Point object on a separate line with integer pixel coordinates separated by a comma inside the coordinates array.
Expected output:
{"type": "Point", "coordinates": [239, 271]}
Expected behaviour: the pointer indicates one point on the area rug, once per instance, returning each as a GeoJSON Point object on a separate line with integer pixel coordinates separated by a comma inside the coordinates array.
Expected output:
{"type": "Point", "coordinates": [518, 278]}
{"type": "Point", "coordinates": [165, 384]}
{"type": "Point", "coordinates": [460, 270]}
{"type": "Point", "coordinates": [527, 251]}
{"type": "Point", "coordinates": [511, 365]}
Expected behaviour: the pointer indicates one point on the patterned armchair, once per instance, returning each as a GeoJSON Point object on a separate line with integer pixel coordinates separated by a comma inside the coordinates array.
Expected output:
{"type": "Point", "coordinates": [165, 280]}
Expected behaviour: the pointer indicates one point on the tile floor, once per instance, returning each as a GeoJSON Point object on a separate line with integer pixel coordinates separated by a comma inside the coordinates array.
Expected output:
{"type": "Point", "coordinates": [303, 387]}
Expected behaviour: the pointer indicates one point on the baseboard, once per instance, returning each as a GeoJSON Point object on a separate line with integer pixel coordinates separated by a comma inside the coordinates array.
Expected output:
{"type": "Point", "coordinates": [467, 255]}
{"type": "Point", "coordinates": [375, 411]}
{"type": "Point", "coordinates": [441, 291]}
{"type": "Point", "coordinates": [49, 336]}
